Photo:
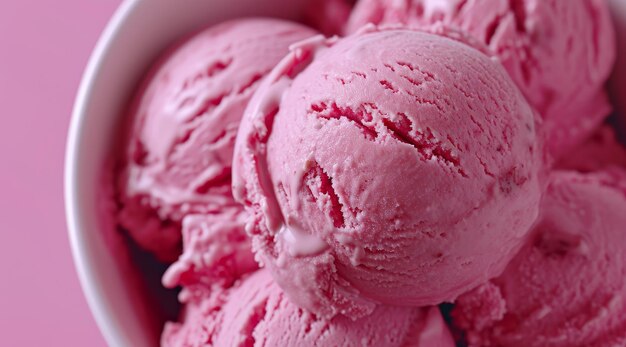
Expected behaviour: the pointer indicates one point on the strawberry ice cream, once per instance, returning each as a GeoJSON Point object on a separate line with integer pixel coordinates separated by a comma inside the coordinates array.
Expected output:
{"type": "Point", "coordinates": [183, 126]}
{"type": "Point", "coordinates": [395, 167]}
{"type": "Point", "coordinates": [216, 251]}
{"type": "Point", "coordinates": [328, 16]}
{"type": "Point", "coordinates": [600, 151]}
{"type": "Point", "coordinates": [567, 287]}
{"type": "Point", "coordinates": [307, 190]}
{"type": "Point", "coordinates": [257, 313]}
{"type": "Point", "coordinates": [559, 53]}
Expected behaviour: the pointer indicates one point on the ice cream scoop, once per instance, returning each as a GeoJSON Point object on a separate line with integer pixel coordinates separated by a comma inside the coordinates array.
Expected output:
{"type": "Point", "coordinates": [255, 312]}
{"type": "Point", "coordinates": [568, 286]}
{"type": "Point", "coordinates": [177, 159]}
{"type": "Point", "coordinates": [216, 251]}
{"type": "Point", "coordinates": [392, 166]}
{"type": "Point", "coordinates": [560, 53]}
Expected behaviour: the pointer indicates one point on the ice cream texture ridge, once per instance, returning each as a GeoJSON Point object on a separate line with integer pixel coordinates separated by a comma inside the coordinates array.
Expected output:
{"type": "Point", "coordinates": [424, 173]}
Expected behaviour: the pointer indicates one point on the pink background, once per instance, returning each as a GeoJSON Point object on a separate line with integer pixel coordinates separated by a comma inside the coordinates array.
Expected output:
{"type": "Point", "coordinates": [44, 46]}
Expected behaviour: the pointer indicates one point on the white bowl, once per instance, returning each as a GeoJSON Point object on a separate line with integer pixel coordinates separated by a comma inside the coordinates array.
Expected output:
{"type": "Point", "coordinates": [134, 37]}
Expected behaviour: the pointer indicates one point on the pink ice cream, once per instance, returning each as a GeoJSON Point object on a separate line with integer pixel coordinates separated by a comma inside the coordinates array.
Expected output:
{"type": "Point", "coordinates": [560, 53]}
{"type": "Point", "coordinates": [600, 151]}
{"type": "Point", "coordinates": [216, 251]}
{"type": "Point", "coordinates": [328, 16]}
{"type": "Point", "coordinates": [257, 313]}
{"type": "Point", "coordinates": [396, 167]}
{"type": "Point", "coordinates": [184, 123]}
{"type": "Point", "coordinates": [568, 287]}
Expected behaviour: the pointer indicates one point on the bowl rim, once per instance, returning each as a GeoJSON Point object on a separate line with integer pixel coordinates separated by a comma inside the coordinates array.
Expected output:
{"type": "Point", "coordinates": [89, 280]}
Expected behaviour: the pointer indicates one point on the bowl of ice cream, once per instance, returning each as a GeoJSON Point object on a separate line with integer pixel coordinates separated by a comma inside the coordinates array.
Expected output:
{"type": "Point", "coordinates": [123, 283]}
